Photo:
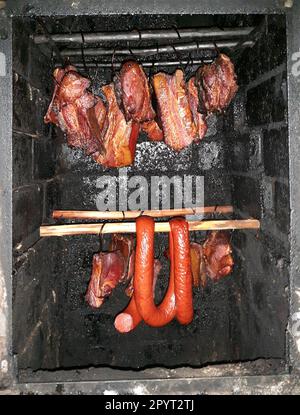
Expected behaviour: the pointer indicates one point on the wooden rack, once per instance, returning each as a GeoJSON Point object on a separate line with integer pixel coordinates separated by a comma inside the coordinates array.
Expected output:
{"type": "Point", "coordinates": [132, 214]}
{"type": "Point", "coordinates": [129, 227]}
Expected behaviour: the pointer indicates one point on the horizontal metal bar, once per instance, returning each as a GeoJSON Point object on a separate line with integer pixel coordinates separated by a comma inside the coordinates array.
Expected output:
{"type": "Point", "coordinates": [148, 51]}
{"type": "Point", "coordinates": [117, 65]}
{"type": "Point", "coordinates": [169, 34]}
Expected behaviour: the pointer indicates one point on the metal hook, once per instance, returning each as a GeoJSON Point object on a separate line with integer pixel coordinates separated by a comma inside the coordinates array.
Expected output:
{"type": "Point", "coordinates": [112, 63]}
{"type": "Point", "coordinates": [130, 51]}
{"type": "Point", "coordinates": [190, 62]}
{"type": "Point", "coordinates": [151, 71]}
{"type": "Point", "coordinates": [215, 212]}
{"type": "Point", "coordinates": [197, 44]}
{"type": "Point", "coordinates": [51, 41]}
{"type": "Point", "coordinates": [82, 54]}
{"type": "Point", "coordinates": [216, 48]}
{"type": "Point", "coordinates": [140, 35]}
{"type": "Point", "coordinates": [178, 57]}
{"type": "Point", "coordinates": [177, 31]}
{"type": "Point", "coordinates": [97, 68]}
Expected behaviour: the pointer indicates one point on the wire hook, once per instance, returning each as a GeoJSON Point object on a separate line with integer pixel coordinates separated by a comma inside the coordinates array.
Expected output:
{"type": "Point", "coordinates": [178, 57]}
{"type": "Point", "coordinates": [112, 63]}
{"type": "Point", "coordinates": [177, 31]}
{"type": "Point", "coordinates": [82, 54]}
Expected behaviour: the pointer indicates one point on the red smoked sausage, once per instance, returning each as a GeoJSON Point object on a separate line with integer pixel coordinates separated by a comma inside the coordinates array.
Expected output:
{"type": "Point", "coordinates": [178, 299]}
{"type": "Point", "coordinates": [129, 318]}
{"type": "Point", "coordinates": [183, 274]}
{"type": "Point", "coordinates": [155, 316]}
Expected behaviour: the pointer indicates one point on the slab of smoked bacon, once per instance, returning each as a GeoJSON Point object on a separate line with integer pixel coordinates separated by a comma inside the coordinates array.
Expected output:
{"type": "Point", "coordinates": [174, 109]}
{"type": "Point", "coordinates": [118, 136]}
{"type": "Point", "coordinates": [217, 84]}
{"type": "Point", "coordinates": [107, 272]}
{"type": "Point", "coordinates": [199, 119]}
{"type": "Point", "coordinates": [133, 92]}
{"type": "Point", "coordinates": [218, 255]}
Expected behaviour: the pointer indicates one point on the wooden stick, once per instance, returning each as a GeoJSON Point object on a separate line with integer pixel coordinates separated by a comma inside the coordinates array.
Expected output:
{"type": "Point", "coordinates": [90, 214]}
{"type": "Point", "coordinates": [129, 227]}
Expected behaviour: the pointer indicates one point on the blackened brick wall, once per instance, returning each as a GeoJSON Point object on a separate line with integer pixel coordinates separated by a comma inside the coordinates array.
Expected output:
{"type": "Point", "coordinates": [36, 284]}
{"type": "Point", "coordinates": [256, 128]}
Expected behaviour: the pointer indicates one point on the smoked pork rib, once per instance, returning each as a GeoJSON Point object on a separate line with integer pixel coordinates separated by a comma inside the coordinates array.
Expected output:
{"type": "Point", "coordinates": [199, 119]}
{"type": "Point", "coordinates": [118, 136]}
{"type": "Point", "coordinates": [133, 92]}
{"type": "Point", "coordinates": [174, 109]}
{"type": "Point", "coordinates": [79, 132]}
{"type": "Point", "coordinates": [218, 255]}
{"type": "Point", "coordinates": [69, 109]}
{"type": "Point", "coordinates": [217, 84]}
{"type": "Point", "coordinates": [107, 272]}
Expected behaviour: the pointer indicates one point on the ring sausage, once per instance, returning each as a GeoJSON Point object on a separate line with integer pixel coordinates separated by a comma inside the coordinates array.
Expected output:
{"type": "Point", "coordinates": [155, 316]}
{"type": "Point", "coordinates": [182, 265]}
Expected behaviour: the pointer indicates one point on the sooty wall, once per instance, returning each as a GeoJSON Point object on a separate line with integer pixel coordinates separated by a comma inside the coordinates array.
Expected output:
{"type": "Point", "coordinates": [37, 314]}
{"type": "Point", "coordinates": [59, 329]}
{"type": "Point", "coordinates": [256, 130]}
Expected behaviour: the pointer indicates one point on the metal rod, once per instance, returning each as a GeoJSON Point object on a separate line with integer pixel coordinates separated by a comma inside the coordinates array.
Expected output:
{"type": "Point", "coordinates": [147, 51]}
{"type": "Point", "coordinates": [132, 214]}
{"type": "Point", "coordinates": [129, 227]}
{"type": "Point", "coordinates": [117, 65]}
{"type": "Point", "coordinates": [169, 34]}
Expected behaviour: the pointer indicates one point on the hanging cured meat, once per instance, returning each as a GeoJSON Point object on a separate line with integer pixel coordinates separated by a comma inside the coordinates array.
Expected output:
{"type": "Point", "coordinates": [217, 84]}
{"type": "Point", "coordinates": [153, 130]}
{"type": "Point", "coordinates": [218, 255]}
{"type": "Point", "coordinates": [199, 119]}
{"type": "Point", "coordinates": [107, 273]}
{"type": "Point", "coordinates": [133, 92]}
{"type": "Point", "coordinates": [175, 113]}
{"type": "Point", "coordinates": [77, 125]}
{"type": "Point", "coordinates": [124, 244]}
{"type": "Point", "coordinates": [118, 136]}
{"type": "Point", "coordinates": [69, 109]}
{"type": "Point", "coordinates": [157, 267]}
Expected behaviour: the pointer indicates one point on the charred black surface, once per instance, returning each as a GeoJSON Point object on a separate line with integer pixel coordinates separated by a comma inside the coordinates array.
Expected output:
{"type": "Point", "coordinates": [260, 174]}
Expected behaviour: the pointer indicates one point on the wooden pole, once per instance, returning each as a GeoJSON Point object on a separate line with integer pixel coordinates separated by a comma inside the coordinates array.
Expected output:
{"type": "Point", "coordinates": [129, 227]}
{"type": "Point", "coordinates": [90, 214]}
